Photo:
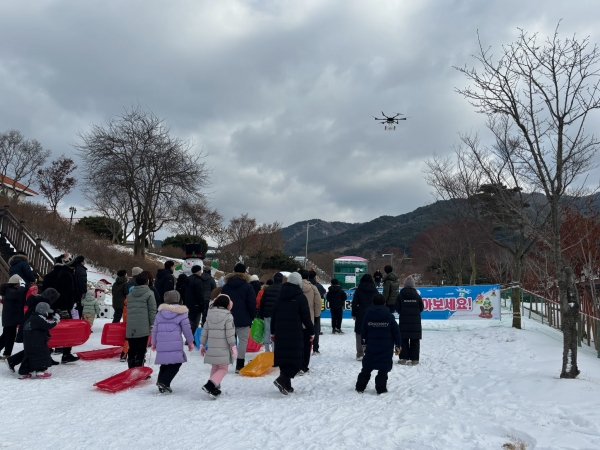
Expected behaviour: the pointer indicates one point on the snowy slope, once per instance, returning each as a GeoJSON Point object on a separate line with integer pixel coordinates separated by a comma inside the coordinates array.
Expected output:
{"type": "Point", "coordinates": [478, 384]}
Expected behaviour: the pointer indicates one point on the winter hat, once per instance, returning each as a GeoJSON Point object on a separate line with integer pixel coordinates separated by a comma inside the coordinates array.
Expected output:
{"type": "Point", "coordinates": [409, 282]}
{"type": "Point", "coordinates": [90, 293]}
{"type": "Point", "coordinates": [67, 259]}
{"type": "Point", "coordinates": [15, 279]}
{"type": "Point", "coordinates": [196, 269]}
{"type": "Point", "coordinates": [295, 278]}
{"type": "Point", "coordinates": [50, 295]}
{"type": "Point", "coordinates": [136, 271]}
{"type": "Point", "coordinates": [254, 278]}
{"type": "Point", "coordinates": [239, 268]}
{"type": "Point", "coordinates": [172, 297]}
{"type": "Point", "coordinates": [43, 308]}
{"type": "Point", "coordinates": [278, 277]}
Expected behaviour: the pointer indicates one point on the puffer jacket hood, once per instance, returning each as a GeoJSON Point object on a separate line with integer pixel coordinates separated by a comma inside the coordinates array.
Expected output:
{"type": "Point", "coordinates": [171, 310]}
{"type": "Point", "coordinates": [15, 259]}
{"type": "Point", "coordinates": [219, 333]}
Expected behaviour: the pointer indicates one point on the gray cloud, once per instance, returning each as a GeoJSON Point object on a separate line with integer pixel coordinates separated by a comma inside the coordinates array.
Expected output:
{"type": "Point", "coordinates": [279, 93]}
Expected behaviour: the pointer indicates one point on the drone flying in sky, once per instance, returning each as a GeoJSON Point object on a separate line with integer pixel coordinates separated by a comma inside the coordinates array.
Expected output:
{"type": "Point", "coordinates": [390, 122]}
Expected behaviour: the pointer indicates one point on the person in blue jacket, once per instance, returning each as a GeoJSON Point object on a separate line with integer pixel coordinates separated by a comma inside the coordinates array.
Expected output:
{"type": "Point", "coordinates": [379, 334]}
{"type": "Point", "coordinates": [240, 291]}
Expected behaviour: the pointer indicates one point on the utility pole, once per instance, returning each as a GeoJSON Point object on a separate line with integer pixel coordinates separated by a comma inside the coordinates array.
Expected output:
{"type": "Point", "coordinates": [308, 225]}
{"type": "Point", "coordinates": [391, 255]}
{"type": "Point", "coordinates": [73, 211]}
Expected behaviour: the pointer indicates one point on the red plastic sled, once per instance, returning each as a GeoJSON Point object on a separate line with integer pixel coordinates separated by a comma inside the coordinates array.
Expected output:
{"type": "Point", "coordinates": [124, 380]}
{"type": "Point", "coordinates": [100, 354]}
{"type": "Point", "coordinates": [253, 346]}
{"type": "Point", "coordinates": [113, 334]}
{"type": "Point", "coordinates": [69, 333]}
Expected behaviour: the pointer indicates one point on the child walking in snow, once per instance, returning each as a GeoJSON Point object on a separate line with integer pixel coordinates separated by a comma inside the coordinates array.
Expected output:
{"type": "Point", "coordinates": [170, 323]}
{"type": "Point", "coordinates": [379, 334]}
{"type": "Point", "coordinates": [91, 308]}
{"type": "Point", "coordinates": [219, 334]}
{"type": "Point", "coordinates": [35, 332]}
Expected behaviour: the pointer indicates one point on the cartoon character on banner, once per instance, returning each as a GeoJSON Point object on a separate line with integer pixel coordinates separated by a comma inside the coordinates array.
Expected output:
{"type": "Point", "coordinates": [486, 309]}
{"type": "Point", "coordinates": [100, 290]}
{"type": "Point", "coordinates": [193, 257]}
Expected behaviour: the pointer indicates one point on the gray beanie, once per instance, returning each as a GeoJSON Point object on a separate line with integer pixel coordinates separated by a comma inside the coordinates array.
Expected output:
{"type": "Point", "coordinates": [171, 297]}
{"type": "Point", "coordinates": [50, 295]}
{"type": "Point", "coordinates": [295, 278]}
{"type": "Point", "coordinates": [409, 282]}
{"type": "Point", "coordinates": [136, 271]}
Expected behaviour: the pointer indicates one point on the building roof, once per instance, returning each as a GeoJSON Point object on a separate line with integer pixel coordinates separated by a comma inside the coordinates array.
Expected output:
{"type": "Point", "coordinates": [351, 258]}
{"type": "Point", "coordinates": [9, 182]}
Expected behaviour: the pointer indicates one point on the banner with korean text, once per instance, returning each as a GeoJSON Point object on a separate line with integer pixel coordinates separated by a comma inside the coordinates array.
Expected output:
{"type": "Point", "coordinates": [480, 302]}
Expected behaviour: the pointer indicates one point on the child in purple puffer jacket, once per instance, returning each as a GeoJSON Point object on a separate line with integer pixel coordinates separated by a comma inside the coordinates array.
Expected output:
{"type": "Point", "coordinates": [170, 323]}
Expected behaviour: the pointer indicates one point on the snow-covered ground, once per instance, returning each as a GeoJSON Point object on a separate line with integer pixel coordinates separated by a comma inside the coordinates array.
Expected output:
{"type": "Point", "coordinates": [478, 384]}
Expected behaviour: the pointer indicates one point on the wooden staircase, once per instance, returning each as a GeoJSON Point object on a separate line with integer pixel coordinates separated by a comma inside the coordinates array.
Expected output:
{"type": "Point", "coordinates": [15, 237]}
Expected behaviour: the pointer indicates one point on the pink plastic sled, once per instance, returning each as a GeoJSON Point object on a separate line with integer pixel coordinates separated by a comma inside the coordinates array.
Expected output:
{"type": "Point", "coordinates": [102, 353]}
{"type": "Point", "coordinates": [69, 333]}
{"type": "Point", "coordinates": [124, 380]}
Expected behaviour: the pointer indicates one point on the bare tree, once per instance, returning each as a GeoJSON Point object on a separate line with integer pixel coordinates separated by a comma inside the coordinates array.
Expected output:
{"type": "Point", "coordinates": [20, 159]}
{"type": "Point", "coordinates": [546, 91]}
{"type": "Point", "coordinates": [196, 218]}
{"type": "Point", "coordinates": [55, 180]}
{"type": "Point", "coordinates": [111, 203]}
{"type": "Point", "coordinates": [240, 232]}
{"type": "Point", "coordinates": [134, 155]}
{"type": "Point", "coordinates": [266, 241]}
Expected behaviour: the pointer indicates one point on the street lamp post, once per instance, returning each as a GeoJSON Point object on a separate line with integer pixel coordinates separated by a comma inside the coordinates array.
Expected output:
{"type": "Point", "coordinates": [391, 255]}
{"type": "Point", "coordinates": [73, 210]}
{"type": "Point", "coordinates": [308, 225]}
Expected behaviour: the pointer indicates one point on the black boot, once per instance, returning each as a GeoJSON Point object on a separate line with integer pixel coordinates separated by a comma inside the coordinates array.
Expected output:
{"type": "Point", "coordinates": [288, 385]}
{"type": "Point", "coordinates": [240, 363]}
{"type": "Point", "coordinates": [281, 384]}
{"type": "Point", "coordinates": [210, 389]}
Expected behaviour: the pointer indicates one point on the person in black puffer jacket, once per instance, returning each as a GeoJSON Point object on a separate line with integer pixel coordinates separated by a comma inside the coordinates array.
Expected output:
{"type": "Point", "coordinates": [208, 285]}
{"type": "Point", "coordinates": [165, 281]}
{"type": "Point", "coordinates": [267, 303]}
{"type": "Point", "coordinates": [409, 305]}
{"type": "Point", "coordinates": [35, 337]}
{"type": "Point", "coordinates": [379, 334]}
{"type": "Point", "coordinates": [48, 296]}
{"type": "Point", "coordinates": [80, 279]}
{"type": "Point", "coordinates": [238, 288]}
{"type": "Point", "coordinates": [13, 301]}
{"type": "Point", "coordinates": [336, 297]}
{"type": "Point", "coordinates": [290, 312]}
{"type": "Point", "coordinates": [19, 265]}
{"type": "Point", "coordinates": [363, 298]}
{"type": "Point", "coordinates": [61, 279]}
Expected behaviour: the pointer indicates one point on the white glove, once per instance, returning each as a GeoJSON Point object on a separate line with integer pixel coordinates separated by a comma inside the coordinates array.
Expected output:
{"type": "Point", "coordinates": [57, 317]}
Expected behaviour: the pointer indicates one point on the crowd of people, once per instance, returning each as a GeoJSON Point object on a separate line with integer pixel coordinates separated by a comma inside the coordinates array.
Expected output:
{"type": "Point", "coordinates": [165, 311]}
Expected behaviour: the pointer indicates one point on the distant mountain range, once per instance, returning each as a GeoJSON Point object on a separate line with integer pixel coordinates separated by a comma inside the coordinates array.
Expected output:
{"type": "Point", "coordinates": [354, 238]}
{"type": "Point", "coordinates": [378, 234]}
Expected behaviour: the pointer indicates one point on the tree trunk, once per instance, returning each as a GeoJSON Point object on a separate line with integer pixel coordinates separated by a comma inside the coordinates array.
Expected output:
{"type": "Point", "coordinates": [570, 314]}
{"type": "Point", "coordinates": [473, 265]}
{"type": "Point", "coordinates": [515, 294]}
{"type": "Point", "coordinates": [139, 246]}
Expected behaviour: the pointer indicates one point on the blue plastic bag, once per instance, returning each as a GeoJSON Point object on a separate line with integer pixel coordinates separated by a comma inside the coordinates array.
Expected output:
{"type": "Point", "coordinates": [197, 335]}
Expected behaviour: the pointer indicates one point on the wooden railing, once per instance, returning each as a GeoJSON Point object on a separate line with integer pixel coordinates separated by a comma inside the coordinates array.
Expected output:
{"type": "Point", "coordinates": [14, 231]}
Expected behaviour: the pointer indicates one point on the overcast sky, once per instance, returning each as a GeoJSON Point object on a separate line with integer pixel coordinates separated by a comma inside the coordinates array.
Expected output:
{"type": "Point", "coordinates": [279, 94]}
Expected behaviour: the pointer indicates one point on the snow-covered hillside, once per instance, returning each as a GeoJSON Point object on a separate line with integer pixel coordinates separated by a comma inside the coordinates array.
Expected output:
{"type": "Point", "coordinates": [478, 384]}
